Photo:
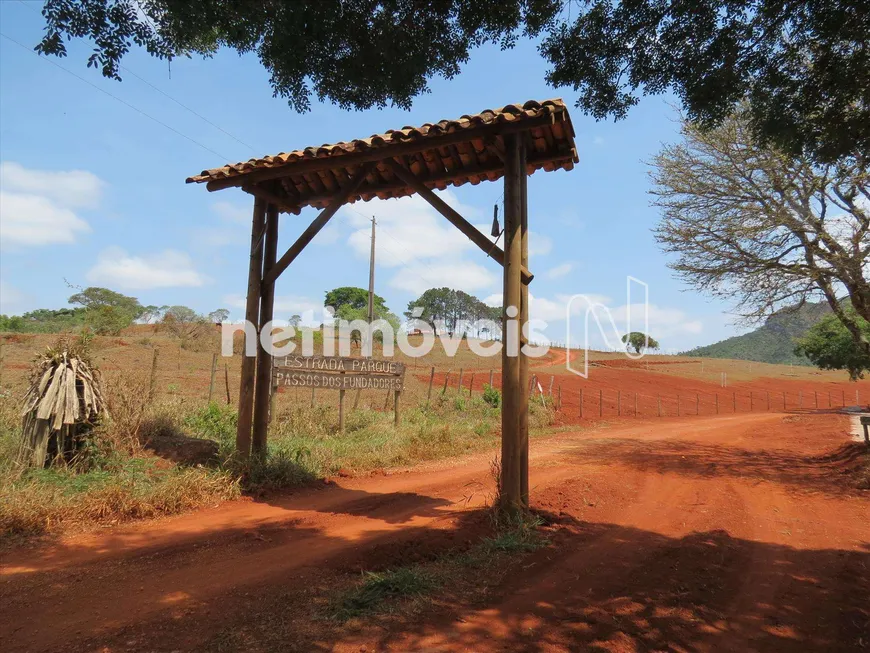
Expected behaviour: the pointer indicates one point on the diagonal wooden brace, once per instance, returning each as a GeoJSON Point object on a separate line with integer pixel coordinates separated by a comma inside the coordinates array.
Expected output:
{"type": "Point", "coordinates": [453, 217]}
{"type": "Point", "coordinates": [316, 225]}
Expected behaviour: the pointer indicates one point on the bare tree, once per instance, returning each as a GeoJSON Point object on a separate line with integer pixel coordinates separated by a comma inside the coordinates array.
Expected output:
{"type": "Point", "coordinates": [769, 230]}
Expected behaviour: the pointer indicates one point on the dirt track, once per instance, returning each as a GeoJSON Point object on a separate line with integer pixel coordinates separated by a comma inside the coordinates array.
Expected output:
{"type": "Point", "coordinates": [738, 533]}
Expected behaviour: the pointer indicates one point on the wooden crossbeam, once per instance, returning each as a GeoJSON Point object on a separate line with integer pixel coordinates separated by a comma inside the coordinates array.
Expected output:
{"type": "Point", "coordinates": [379, 153]}
{"type": "Point", "coordinates": [274, 199]}
{"type": "Point", "coordinates": [316, 225]}
{"type": "Point", "coordinates": [453, 216]}
{"type": "Point", "coordinates": [446, 175]}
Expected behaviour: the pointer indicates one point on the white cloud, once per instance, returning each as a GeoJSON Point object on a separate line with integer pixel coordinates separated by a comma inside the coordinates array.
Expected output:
{"type": "Point", "coordinates": [310, 310]}
{"type": "Point", "coordinates": [72, 189]}
{"type": "Point", "coordinates": [459, 275]}
{"type": "Point", "coordinates": [166, 269]}
{"type": "Point", "coordinates": [559, 271]}
{"type": "Point", "coordinates": [551, 310]}
{"type": "Point", "coordinates": [28, 220]}
{"type": "Point", "coordinates": [233, 213]}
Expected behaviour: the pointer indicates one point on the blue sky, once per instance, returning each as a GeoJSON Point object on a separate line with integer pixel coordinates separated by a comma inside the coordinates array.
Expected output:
{"type": "Point", "coordinates": [93, 191]}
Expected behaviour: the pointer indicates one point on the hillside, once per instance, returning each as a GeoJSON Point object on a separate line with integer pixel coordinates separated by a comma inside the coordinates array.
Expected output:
{"type": "Point", "coordinates": [773, 342]}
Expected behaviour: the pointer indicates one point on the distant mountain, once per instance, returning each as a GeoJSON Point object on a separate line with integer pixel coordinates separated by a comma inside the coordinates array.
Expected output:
{"type": "Point", "coordinates": [771, 343]}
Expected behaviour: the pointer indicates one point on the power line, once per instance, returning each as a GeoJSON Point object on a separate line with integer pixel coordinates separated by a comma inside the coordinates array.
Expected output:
{"type": "Point", "coordinates": [164, 93]}
{"type": "Point", "coordinates": [115, 97]}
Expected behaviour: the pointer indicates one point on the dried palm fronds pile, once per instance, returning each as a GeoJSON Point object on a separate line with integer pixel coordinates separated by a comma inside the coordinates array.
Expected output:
{"type": "Point", "coordinates": [63, 403]}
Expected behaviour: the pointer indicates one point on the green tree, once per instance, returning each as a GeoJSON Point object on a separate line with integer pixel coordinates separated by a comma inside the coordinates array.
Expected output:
{"type": "Point", "coordinates": [107, 311]}
{"type": "Point", "coordinates": [219, 316]}
{"type": "Point", "coordinates": [830, 346]}
{"type": "Point", "coordinates": [803, 65]}
{"type": "Point", "coordinates": [639, 341]}
{"type": "Point", "coordinates": [450, 307]}
{"type": "Point", "coordinates": [355, 298]}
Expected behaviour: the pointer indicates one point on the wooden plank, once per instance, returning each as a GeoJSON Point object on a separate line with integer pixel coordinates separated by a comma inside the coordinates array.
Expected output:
{"type": "Point", "coordinates": [327, 381]}
{"type": "Point", "coordinates": [264, 359]}
{"type": "Point", "coordinates": [314, 228]}
{"type": "Point", "coordinates": [339, 364]}
{"type": "Point", "coordinates": [379, 154]}
{"type": "Point", "coordinates": [524, 318]}
{"type": "Point", "coordinates": [274, 199]}
{"type": "Point", "coordinates": [468, 229]}
{"type": "Point", "coordinates": [252, 308]}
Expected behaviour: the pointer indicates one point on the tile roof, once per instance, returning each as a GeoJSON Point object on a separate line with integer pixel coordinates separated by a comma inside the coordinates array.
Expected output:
{"type": "Point", "coordinates": [448, 152]}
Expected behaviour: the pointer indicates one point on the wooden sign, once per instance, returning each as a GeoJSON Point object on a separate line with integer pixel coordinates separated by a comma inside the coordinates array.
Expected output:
{"type": "Point", "coordinates": [338, 373]}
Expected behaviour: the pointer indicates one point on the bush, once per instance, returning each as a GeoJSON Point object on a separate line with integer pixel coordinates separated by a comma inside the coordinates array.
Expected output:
{"type": "Point", "coordinates": [492, 396]}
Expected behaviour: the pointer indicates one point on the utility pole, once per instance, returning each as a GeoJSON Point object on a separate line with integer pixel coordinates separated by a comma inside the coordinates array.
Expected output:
{"type": "Point", "coordinates": [371, 311]}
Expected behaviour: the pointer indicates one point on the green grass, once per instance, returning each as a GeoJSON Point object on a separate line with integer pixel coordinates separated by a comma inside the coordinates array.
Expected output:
{"type": "Point", "coordinates": [408, 588]}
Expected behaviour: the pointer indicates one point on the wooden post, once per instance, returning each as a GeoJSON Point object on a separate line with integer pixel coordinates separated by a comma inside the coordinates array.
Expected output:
{"type": "Point", "coordinates": [550, 389]}
{"type": "Point", "coordinates": [263, 378]}
{"type": "Point", "coordinates": [829, 399]}
{"type": "Point", "coordinates": [532, 385]}
{"type": "Point", "coordinates": [387, 401]}
{"type": "Point", "coordinates": [581, 404]}
{"type": "Point", "coordinates": [429, 392]}
{"type": "Point", "coordinates": [751, 401]}
{"type": "Point", "coordinates": [560, 397]}
{"type": "Point", "coordinates": [490, 378]}
{"type": "Point", "coordinates": [252, 311]}
{"type": "Point", "coordinates": [697, 404]}
{"type": "Point", "coordinates": [396, 408]}
{"type": "Point", "coordinates": [227, 382]}
{"type": "Point", "coordinates": [768, 399]}
{"type": "Point", "coordinates": [312, 397]}
{"type": "Point", "coordinates": [783, 402]}
{"type": "Point", "coordinates": [152, 383]}
{"type": "Point", "coordinates": [341, 392]}
{"type": "Point", "coordinates": [357, 396]}
{"type": "Point", "coordinates": [600, 403]}
{"type": "Point", "coordinates": [515, 401]}
{"type": "Point", "coordinates": [460, 380]}
{"type": "Point", "coordinates": [619, 403]}
{"type": "Point", "coordinates": [734, 401]}
{"type": "Point", "coordinates": [523, 321]}
{"type": "Point", "coordinates": [471, 386]}
{"type": "Point", "coordinates": [211, 376]}
{"type": "Point", "coordinates": [844, 398]}
{"type": "Point", "coordinates": [816, 398]}
{"type": "Point", "coordinates": [446, 379]}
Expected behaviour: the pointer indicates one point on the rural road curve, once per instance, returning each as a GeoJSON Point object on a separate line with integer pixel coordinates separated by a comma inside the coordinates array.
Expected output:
{"type": "Point", "coordinates": [724, 533]}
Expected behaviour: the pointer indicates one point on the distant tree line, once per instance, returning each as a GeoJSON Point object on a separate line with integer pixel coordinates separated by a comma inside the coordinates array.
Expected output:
{"type": "Point", "coordinates": [106, 312]}
{"type": "Point", "coordinates": [451, 308]}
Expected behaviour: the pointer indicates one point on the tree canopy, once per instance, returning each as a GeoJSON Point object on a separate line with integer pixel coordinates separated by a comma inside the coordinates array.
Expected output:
{"type": "Point", "coordinates": [640, 341]}
{"type": "Point", "coordinates": [830, 346]}
{"type": "Point", "coordinates": [450, 307]}
{"type": "Point", "coordinates": [107, 311]}
{"type": "Point", "coordinates": [803, 65]}
{"type": "Point", "coordinates": [751, 224]}
{"type": "Point", "coordinates": [355, 298]}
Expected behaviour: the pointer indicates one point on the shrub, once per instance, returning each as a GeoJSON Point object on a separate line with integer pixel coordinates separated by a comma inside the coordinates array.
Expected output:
{"type": "Point", "coordinates": [492, 396]}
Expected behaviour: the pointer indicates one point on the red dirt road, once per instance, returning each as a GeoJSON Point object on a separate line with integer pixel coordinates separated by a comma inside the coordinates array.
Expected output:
{"type": "Point", "coordinates": [732, 533]}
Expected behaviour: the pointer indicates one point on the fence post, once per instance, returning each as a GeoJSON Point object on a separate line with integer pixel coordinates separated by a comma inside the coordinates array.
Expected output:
{"type": "Point", "coordinates": [446, 378]}
{"type": "Point", "coordinates": [751, 401]}
{"type": "Point", "coordinates": [153, 380]}
{"type": "Point", "coordinates": [490, 378]}
{"type": "Point", "coordinates": [550, 389]}
{"type": "Point", "coordinates": [312, 396]}
{"type": "Point", "coordinates": [619, 403]}
{"type": "Point", "coordinates": [396, 407]}
{"type": "Point", "coordinates": [600, 403]}
{"type": "Point", "coordinates": [560, 396]}
{"type": "Point", "coordinates": [460, 380]}
{"type": "Point", "coordinates": [829, 399]}
{"type": "Point", "coordinates": [227, 382]}
{"type": "Point", "coordinates": [734, 401]}
{"type": "Point", "coordinates": [471, 386]}
{"type": "Point", "coordinates": [659, 401]}
{"type": "Point", "coordinates": [581, 403]}
{"type": "Point", "coordinates": [697, 403]}
{"type": "Point", "coordinates": [635, 404]}
{"type": "Point", "coordinates": [717, 403]}
{"type": "Point", "coordinates": [844, 397]}
{"type": "Point", "coordinates": [211, 378]}
{"type": "Point", "coordinates": [815, 399]}
{"type": "Point", "coordinates": [431, 379]}
{"type": "Point", "coordinates": [768, 399]}
{"type": "Point", "coordinates": [341, 410]}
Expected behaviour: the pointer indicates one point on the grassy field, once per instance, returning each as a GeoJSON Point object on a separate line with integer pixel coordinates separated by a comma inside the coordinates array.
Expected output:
{"type": "Point", "coordinates": [117, 478]}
